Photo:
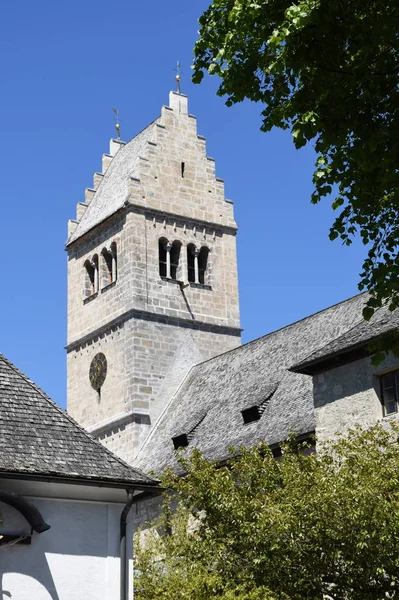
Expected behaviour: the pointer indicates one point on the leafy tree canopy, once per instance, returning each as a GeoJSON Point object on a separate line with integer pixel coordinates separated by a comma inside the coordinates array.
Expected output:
{"type": "Point", "coordinates": [328, 71]}
{"type": "Point", "coordinates": [305, 527]}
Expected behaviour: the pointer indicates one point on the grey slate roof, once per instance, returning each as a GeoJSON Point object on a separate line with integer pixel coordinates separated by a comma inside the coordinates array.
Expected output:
{"type": "Point", "coordinates": [113, 190]}
{"type": "Point", "coordinates": [382, 322]}
{"type": "Point", "coordinates": [244, 377]}
{"type": "Point", "coordinates": [38, 438]}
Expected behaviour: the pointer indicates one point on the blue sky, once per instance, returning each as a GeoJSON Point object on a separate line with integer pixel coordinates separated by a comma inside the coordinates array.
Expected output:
{"type": "Point", "coordinates": [64, 66]}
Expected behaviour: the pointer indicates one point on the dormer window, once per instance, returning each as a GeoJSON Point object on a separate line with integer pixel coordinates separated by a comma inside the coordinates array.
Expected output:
{"type": "Point", "coordinates": [255, 412]}
{"type": "Point", "coordinates": [251, 414]}
{"type": "Point", "coordinates": [180, 441]}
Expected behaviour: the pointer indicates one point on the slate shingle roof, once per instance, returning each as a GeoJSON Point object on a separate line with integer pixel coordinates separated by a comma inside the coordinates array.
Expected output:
{"type": "Point", "coordinates": [38, 438]}
{"type": "Point", "coordinates": [382, 322]}
{"type": "Point", "coordinates": [223, 386]}
{"type": "Point", "coordinates": [113, 190]}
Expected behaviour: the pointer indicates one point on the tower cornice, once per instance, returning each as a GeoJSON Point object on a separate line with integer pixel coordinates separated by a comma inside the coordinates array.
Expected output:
{"type": "Point", "coordinates": [151, 316]}
{"type": "Point", "coordinates": [141, 208]}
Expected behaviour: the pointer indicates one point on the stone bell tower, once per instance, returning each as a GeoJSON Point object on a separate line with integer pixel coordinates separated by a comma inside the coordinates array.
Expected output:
{"type": "Point", "coordinates": [152, 279]}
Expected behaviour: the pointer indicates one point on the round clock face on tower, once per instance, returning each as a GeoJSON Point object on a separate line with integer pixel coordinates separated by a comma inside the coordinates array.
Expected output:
{"type": "Point", "coordinates": [98, 371]}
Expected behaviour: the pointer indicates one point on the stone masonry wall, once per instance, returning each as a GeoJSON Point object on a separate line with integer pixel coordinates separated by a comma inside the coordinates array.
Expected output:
{"type": "Point", "coordinates": [349, 395]}
{"type": "Point", "coordinates": [152, 330]}
{"type": "Point", "coordinates": [147, 361]}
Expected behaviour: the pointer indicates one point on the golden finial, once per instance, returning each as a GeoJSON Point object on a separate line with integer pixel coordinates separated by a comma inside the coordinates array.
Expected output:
{"type": "Point", "coordinates": [117, 124]}
{"type": "Point", "coordinates": [178, 77]}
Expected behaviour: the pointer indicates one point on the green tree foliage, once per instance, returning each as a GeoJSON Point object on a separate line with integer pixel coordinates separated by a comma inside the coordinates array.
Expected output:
{"type": "Point", "coordinates": [328, 71]}
{"type": "Point", "coordinates": [305, 527]}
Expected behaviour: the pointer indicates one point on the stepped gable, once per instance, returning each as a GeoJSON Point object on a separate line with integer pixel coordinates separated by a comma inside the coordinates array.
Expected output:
{"type": "Point", "coordinates": [254, 375]}
{"type": "Point", "coordinates": [38, 438]}
{"type": "Point", "coordinates": [383, 322]}
{"type": "Point", "coordinates": [113, 188]}
{"type": "Point", "coordinates": [146, 173]}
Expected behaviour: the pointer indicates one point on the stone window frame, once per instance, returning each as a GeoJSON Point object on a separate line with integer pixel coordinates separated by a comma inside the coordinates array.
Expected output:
{"type": "Point", "coordinates": [169, 259]}
{"type": "Point", "coordinates": [109, 266]}
{"type": "Point", "coordinates": [389, 398]}
{"type": "Point", "coordinates": [198, 271]}
{"type": "Point", "coordinates": [91, 285]}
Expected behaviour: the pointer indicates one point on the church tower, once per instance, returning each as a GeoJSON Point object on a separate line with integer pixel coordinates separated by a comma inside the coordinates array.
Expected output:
{"type": "Point", "coordinates": [152, 279]}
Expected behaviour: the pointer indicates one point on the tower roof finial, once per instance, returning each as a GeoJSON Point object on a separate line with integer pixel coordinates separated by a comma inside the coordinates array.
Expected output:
{"type": "Point", "coordinates": [117, 124]}
{"type": "Point", "coordinates": [178, 77]}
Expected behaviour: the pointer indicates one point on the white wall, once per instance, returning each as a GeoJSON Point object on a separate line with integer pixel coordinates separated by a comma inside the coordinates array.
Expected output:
{"type": "Point", "coordinates": [76, 559]}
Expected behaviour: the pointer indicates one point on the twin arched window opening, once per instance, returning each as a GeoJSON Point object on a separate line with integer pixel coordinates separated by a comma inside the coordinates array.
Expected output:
{"type": "Point", "coordinates": [197, 263]}
{"type": "Point", "coordinates": [109, 265]}
{"type": "Point", "coordinates": [100, 273]}
{"type": "Point", "coordinates": [169, 261]}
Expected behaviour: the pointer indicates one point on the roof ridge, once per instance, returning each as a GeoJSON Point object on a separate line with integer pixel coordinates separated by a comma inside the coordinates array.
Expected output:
{"type": "Point", "coordinates": [66, 414]}
{"type": "Point", "coordinates": [319, 352]}
{"type": "Point", "coordinates": [308, 357]}
{"type": "Point", "coordinates": [318, 312]}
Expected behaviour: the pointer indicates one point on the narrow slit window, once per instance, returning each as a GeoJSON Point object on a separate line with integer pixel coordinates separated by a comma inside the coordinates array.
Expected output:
{"type": "Point", "coordinates": [183, 166]}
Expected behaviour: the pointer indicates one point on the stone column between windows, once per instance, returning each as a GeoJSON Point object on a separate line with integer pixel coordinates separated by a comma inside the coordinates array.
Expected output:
{"type": "Point", "coordinates": [113, 268]}
{"type": "Point", "coordinates": [168, 248]}
{"type": "Point", "coordinates": [95, 267]}
{"type": "Point", "coordinates": [196, 269]}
